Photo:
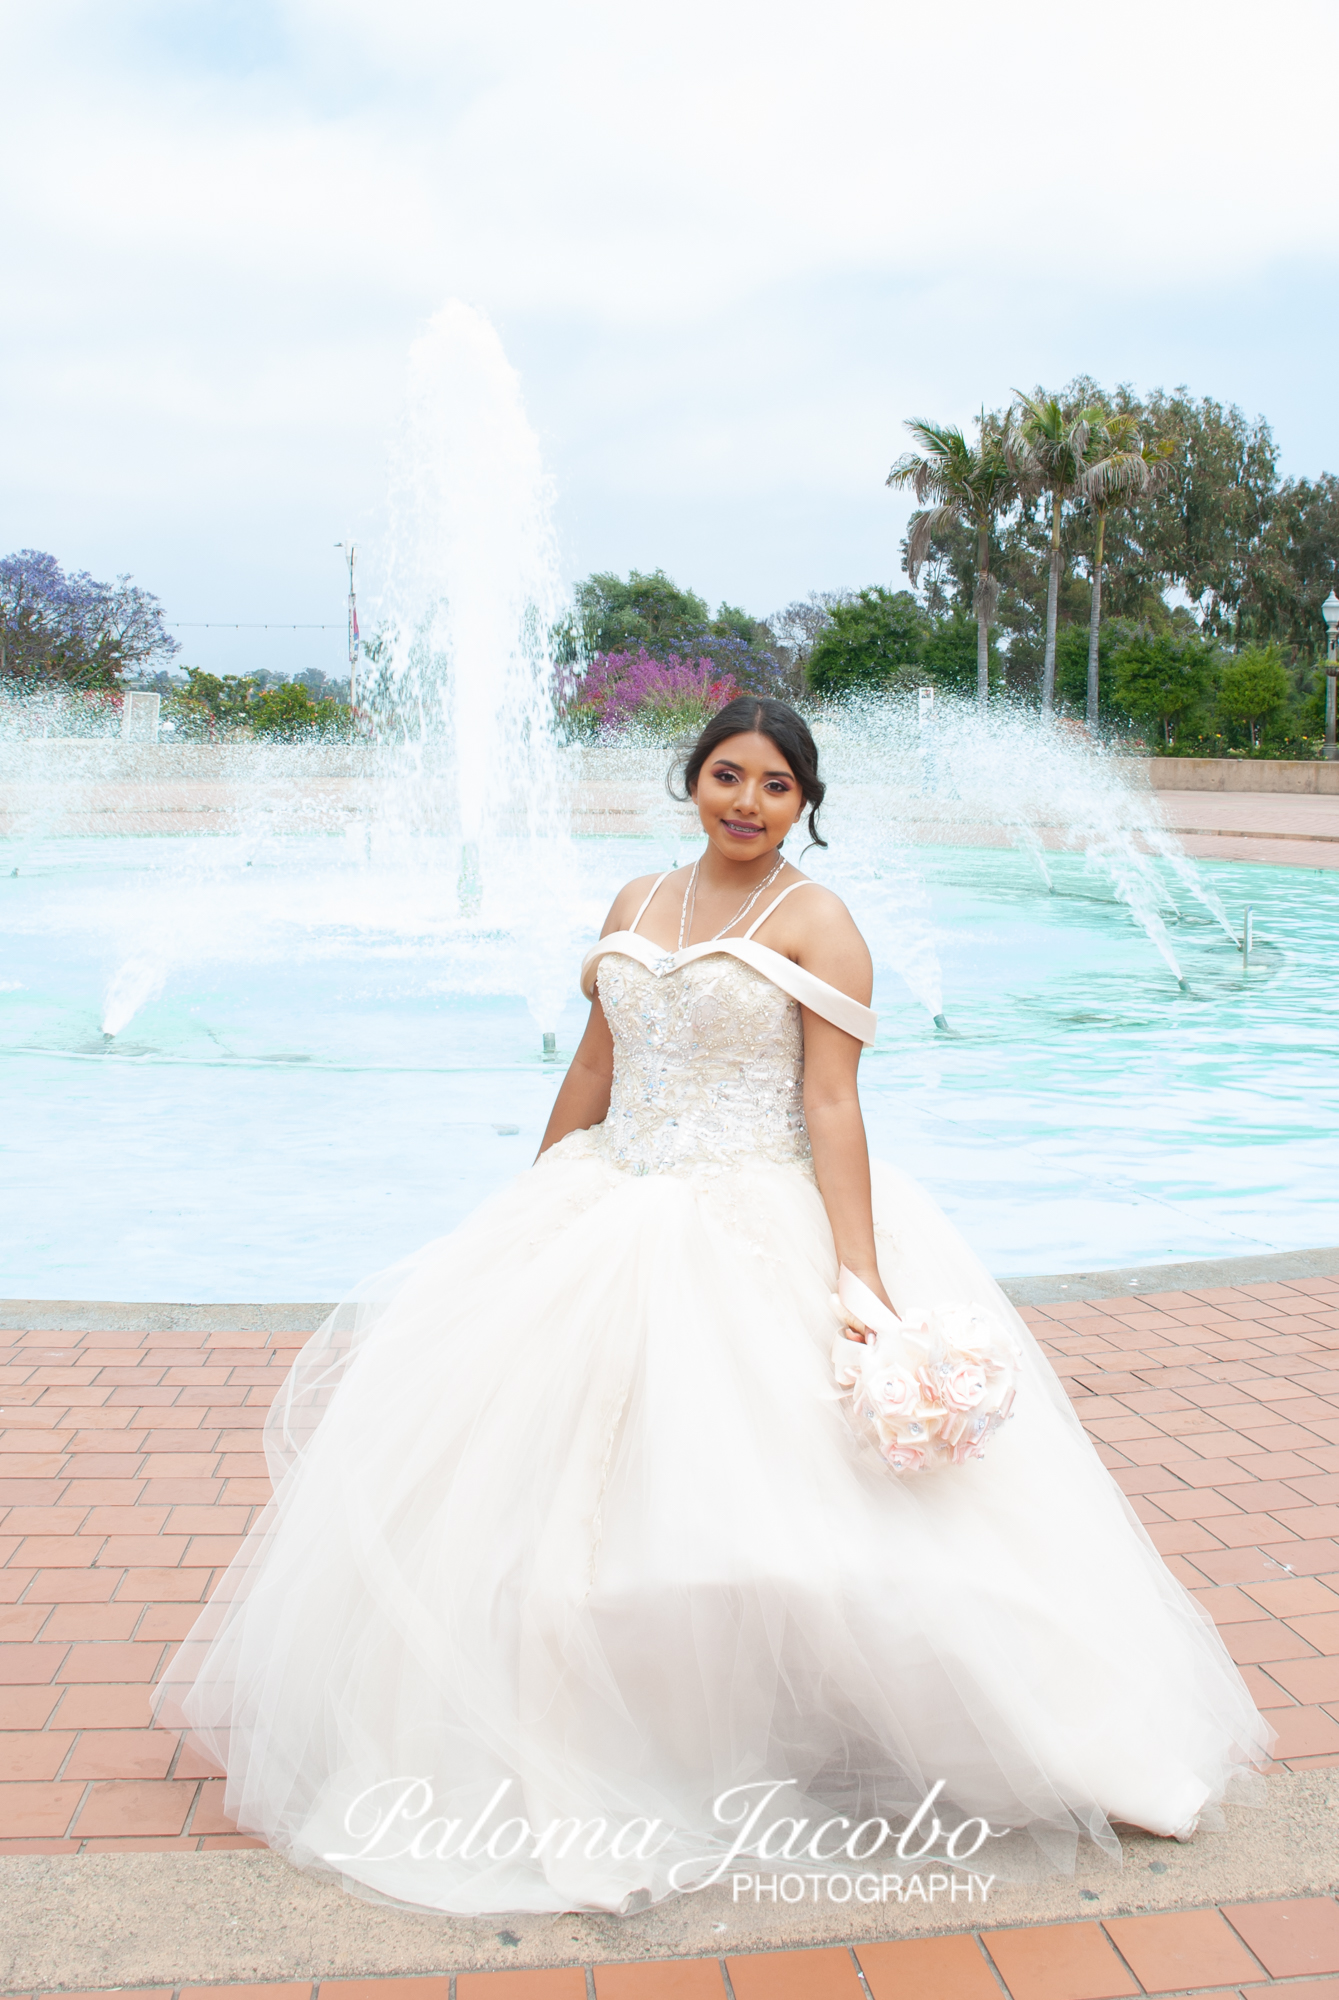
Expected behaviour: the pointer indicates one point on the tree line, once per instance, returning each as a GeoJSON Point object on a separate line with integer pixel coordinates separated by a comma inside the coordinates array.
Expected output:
{"type": "Point", "coordinates": [1135, 561]}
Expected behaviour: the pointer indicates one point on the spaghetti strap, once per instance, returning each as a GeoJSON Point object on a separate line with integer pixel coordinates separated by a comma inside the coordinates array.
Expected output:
{"type": "Point", "coordinates": [647, 904]}
{"type": "Point", "coordinates": [803, 883]}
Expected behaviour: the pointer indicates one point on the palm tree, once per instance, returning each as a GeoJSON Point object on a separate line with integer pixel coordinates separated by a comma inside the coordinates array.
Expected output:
{"type": "Point", "coordinates": [1049, 457]}
{"type": "Point", "coordinates": [967, 483]}
{"type": "Point", "coordinates": [1124, 468]}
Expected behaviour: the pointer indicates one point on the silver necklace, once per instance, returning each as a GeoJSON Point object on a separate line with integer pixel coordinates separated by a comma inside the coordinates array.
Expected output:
{"type": "Point", "coordinates": [689, 909]}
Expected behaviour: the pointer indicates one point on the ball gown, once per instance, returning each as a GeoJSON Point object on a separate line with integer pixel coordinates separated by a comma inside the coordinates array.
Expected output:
{"type": "Point", "coordinates": [569, 1529]}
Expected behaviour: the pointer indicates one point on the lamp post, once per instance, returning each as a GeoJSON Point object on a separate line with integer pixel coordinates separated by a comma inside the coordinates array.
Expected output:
{"type": "Point", "coordinates": [1329, 611]}
{"type": "Point", "coordinates": [351, 556]}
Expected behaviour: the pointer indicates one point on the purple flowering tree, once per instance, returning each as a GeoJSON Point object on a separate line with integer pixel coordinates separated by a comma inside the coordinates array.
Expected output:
{"type": "Point", "coordinates": [70, 628]}
{"type": "Point", "coordinates": [669, 695]}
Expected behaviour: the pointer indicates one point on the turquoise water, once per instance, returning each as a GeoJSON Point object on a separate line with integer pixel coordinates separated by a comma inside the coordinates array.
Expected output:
{"type": "Point", "coordinates": [321, 1065]}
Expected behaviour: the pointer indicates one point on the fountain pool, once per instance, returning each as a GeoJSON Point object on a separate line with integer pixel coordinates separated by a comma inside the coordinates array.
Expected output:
{"type": "Point", "coordinates": [316, 1062]}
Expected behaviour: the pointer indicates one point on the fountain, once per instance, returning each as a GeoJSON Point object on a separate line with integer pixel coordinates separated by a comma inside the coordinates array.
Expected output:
{"type": "Point", "coordinates": [260, 1059]}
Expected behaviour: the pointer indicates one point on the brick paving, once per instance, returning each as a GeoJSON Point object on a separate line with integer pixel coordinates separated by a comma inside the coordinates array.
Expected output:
{"type": "Point", "coordinates": [130, 1468]}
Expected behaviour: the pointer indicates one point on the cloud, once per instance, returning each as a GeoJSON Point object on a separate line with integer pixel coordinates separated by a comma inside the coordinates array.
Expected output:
{"type": "Point", "coordinates": [729, 247]}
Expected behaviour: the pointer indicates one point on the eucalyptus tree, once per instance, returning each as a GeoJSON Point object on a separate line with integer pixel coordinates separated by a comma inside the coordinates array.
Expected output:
{"type": "Point", "coordinates": [1049, 453]}
{"type": "Point", "coordinates": [1122, 466]}
{"type": "Point", "coordinates": [971, 484]}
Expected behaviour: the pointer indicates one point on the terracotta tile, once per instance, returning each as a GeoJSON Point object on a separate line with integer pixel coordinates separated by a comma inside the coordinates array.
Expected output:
{"type": "Point", "coordinates": [175, 1586]}
{"type": "Point", "coordinates": [1261, 1640]}
{"type": "Point", "coordinates": [297, 1990]}
{"type": "Point", "coordinates": [178, 1492]}
{"type": "Point", "coordinates": [166, 1623]}
{"type": "Point", "coordinates": [27, 1707]}
{"type": "Point", "coordinates": [37, 1808]}
{"type": "Point", "coordinates": [1058, 1962]}
{"type": "Point", "coordinates": [560, 1984]}
{"type": "Point", "coordinates": [125, 1707]}
{"type": "Point", "coordinates": [60, 1551]}
{"type": "Point", "coordinates": [788, 1975]}
{"type": "Point", "coordinates": [1182, 1538]}
{"type": "Point", "coordinates": [1320, 1629]}
{"type": "Point", "coordinates": [213, 1549]}
{"type": "Point", "coordinates": [1197, 1504]}
{"type": "Point", "coordinates": [1226, 1605]}
{"type": "Point", "coordinates": [122, 1753]}
{"type": "Point", "coordinates": [195, 1762]}
{"type": "Point", "coordinates": [20, 1623]}
{"type": "Point", "coordinates": [32, 1492]}
{"type": "Point", "coordinates": [72, 1586]}
{"type": "Point", "coordinates": [104, 1464]}
{"type": "Point", "coordinates": [187, 1438]}
{"type": "Point", "coordinates": [1241, 1566]}
{"type": "Point", "coordinates": [1159, 1451]}
{"type": "Point", "coordinates": [136, 1517]}
{"type": "Point", "coordinates": [930, 1968]}
{"type": "Point", "coordinates": [1150, 1479]}
{"type": "Point", "coordinates": [227, 1842]}
{"type": "Point", "coordinates": [1303, 1732]}
{"type": "Point", "coordinates": [1240, 1531]}
{"type": "Point", "coordinates": [386, 1989]}
{"type": "Point", "coordinates": [1187, 1948]}
{"type": "Point", "coordinates": [30, 1664]}
{"type": "Point", "coordinates": [1317, 1486]}
{"type": "Point", "coordinates": [209, 1816]}
{"type": "Point", "coordinates": [130, 1551]}
{"type": "Point", "coordinates": [1304, 1559]}
{"type": "Point", "coordinates": [1308, 1680]}
{"type": "Point", "coordinates": [165, 1465]}
{"type": "Point", "coordinates": [1311, 1523]}
{"type": "Point", "coordinates": [243, 1464]}
{"type": "Point", "coordinates": [90, 1621]}
{"type": "Point", "coordinates": [110, 1660]}
{"type": "Point", "coordinates": [1264, 1691]}
{"type": "Point", "coordinates": [1185, 1572]}
{"type": "Point", "coordinates": [1289, 1938]}
{"type": "Point", "coordinates": [1218, 1472]}
{"type": "Point", "coordinates": [664, 1979]}
{"type": "Point", "coordinates": [134, 1806]}
{"type": "Point", "coordinates": [39, 1753]}
{"type": "Point", "coordinates": [1329, 1762]}
{"type": "Point", "coordinates": [1292, 1596]}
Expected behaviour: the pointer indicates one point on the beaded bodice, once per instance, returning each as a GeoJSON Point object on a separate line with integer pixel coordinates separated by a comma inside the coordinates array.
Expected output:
{"type": "Point", "coordinates": [708, 1066]}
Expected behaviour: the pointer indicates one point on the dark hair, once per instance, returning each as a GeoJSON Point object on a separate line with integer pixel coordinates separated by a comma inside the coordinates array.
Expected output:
{"type": "Point", "coordinates": [779, 723]}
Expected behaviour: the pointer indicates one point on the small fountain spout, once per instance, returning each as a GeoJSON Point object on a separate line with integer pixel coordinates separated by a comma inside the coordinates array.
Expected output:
{"type": "Point", "coordinates": [550, 1043]}
{"type": "Point", "coordinates": [941, 1022]}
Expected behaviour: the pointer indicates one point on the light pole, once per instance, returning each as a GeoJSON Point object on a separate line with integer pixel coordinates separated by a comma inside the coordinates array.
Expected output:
{"type": "Point", "coordinates": [351, 556]}
{"type": "Point", "coordinates": [1329, 611]}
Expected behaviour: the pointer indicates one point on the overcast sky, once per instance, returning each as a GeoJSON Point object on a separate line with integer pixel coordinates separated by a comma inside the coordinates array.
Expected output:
{"type": "Point", "coordinates": [729, 246]}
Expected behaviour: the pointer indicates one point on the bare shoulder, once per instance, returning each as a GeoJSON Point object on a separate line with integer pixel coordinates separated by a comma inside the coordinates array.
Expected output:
{"type": "Point", "coordinates": [815, 928]}
{"type": "Point", "coordinates": [627, 903]}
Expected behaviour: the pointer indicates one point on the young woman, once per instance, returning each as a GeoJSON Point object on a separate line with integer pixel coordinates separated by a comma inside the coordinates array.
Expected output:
{"type": "Point", "coordinates": [578, 1585]}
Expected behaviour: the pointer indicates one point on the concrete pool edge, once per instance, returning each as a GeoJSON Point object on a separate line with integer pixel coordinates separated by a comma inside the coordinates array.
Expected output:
{"type": "Point", "coordinates": [92, 1921]}
{"type": "Point", "coordinates": [167, 1316]}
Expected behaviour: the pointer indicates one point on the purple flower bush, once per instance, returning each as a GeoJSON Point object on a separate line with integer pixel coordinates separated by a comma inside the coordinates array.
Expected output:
{"type": "Point", "coordinates": [622, 690]}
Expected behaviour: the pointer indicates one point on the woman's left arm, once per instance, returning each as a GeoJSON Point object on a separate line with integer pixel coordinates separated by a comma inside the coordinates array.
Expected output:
{"type": "Point", "coordinates": [834, 950]}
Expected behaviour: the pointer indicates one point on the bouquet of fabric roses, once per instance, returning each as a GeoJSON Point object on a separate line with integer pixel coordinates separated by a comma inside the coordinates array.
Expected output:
{"type": "Point", "coordinates": [931, 1387]}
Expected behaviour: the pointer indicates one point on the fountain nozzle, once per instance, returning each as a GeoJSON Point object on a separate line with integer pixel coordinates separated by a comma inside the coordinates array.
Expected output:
{"type": "Point", "coordinates": [550, 1042]}
{"type": "Point", "coordinates": [941, 1023]}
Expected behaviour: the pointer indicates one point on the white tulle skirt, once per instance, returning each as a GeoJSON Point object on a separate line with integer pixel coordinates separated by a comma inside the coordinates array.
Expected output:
{"type": "Point", "coordinates": [568, 1529]}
